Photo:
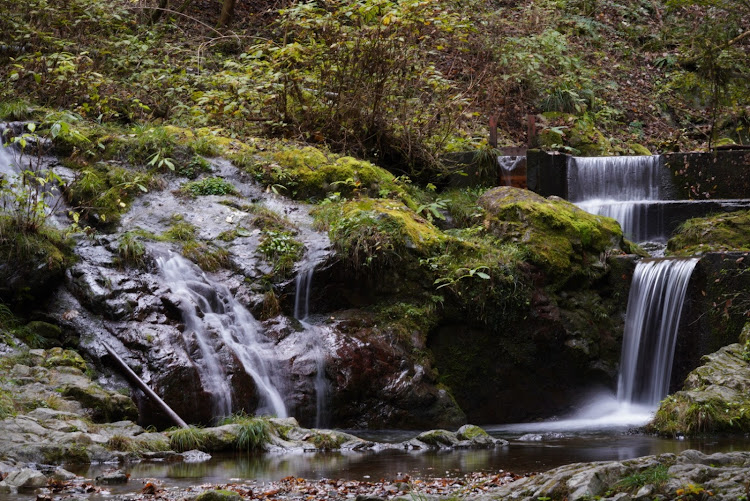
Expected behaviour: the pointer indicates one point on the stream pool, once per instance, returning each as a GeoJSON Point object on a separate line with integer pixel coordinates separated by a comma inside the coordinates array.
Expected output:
{"type": "Point", "coordinates": [526, 452]}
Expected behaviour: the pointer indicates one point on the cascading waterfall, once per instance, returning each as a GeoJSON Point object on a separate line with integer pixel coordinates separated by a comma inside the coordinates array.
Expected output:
{"type": "Point", "coordinates": [214, 319]}
{"type": "Point", "coordinates": [314, 336]}
{"type": "Point", "coordinates": [653, 315]}
{"type": "Point", "coordinates": [507, 165]}
{"type": "Point", "coordinates": [622, 188]}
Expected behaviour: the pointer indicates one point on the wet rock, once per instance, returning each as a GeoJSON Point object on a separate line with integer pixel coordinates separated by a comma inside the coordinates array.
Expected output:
{"type": "Point", "coordinates": [195, 456]}
{"type": "Point", "coordinates": [62, 475]}
{"type": "Point", "coordinates": [719, 389]}
{"type": "Point", "coordinates": [219, 495]}
{"type": "Point", "coordinates": [26, 479]}
{"type": "Point", "coordinates": [113, 478]}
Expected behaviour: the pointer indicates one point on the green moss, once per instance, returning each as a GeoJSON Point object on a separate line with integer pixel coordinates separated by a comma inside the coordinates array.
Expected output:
{"type": "Point", "coordinates": [573, 134]}
{"type": "Point", "coordinates": [375, 233]}
{"type": "Point", "coordinates": [39, 259]}
{"type": "Point", "coordinates": [560, 238]}
{"type": "Point", "coordinates": [470, 432]}
{"type": "Point", "coordinates": [462, 206]}
{"type": "Point", "coordinates": [219, 495]}
{"type": "Point", "coordinates": [58, 357]}
{"type": "Point", "coordinates": [718, 233]}
{"type": "Point", "coordinates": [308, 172]}
{"type": "Point", "coordinates": [326, 440]}
{"type": "Point", "coordinates": [207, 256]}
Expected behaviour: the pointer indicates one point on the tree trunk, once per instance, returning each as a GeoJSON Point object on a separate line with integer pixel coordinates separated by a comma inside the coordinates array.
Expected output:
{"type": "Point", "coordinates": [227, 11]}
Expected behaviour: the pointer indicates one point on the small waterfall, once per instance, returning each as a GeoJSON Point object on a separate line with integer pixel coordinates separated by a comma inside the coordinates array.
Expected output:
{"type": "Point", "coordinates": [621, 188]}
{"type": "Point", "coordinates": [652, 319]}
{"type": "Point", "coordinates": [7, 166]}
{"type": "Point", "coordinates": [315, 337]}
{"type": "Point", "coordinates": [214, 320]}
{"type": "Point", "coordinates": [507, 165]}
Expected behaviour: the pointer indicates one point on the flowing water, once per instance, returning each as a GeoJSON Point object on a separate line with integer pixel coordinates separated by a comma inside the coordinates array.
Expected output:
{"type": "Point", "coordinates": [215, 320]}
{"type": "Point", "coordinates": [314, 336]}
{"type": "Point", "coordinates": [653, 316]}
{"type": "Point", "coordinates": [508, 164]}
{"type": "Point", "coordinates": [623, 188]}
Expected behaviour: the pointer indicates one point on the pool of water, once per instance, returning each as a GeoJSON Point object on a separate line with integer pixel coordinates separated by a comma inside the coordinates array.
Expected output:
{"type": "Point", "coordinates": [529, 450]}
{"type": "Point", "coordinates": [533, 447]}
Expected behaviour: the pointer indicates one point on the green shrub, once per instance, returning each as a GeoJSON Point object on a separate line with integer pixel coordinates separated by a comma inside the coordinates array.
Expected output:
{"type": "Point", "coordinates": [281, 249]}
{"type": "Point", "coordinates": [186, 439]}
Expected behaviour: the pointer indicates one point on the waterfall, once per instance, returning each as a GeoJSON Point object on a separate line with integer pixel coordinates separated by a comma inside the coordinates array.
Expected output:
{"type": "Point", "coordinates": [622, 188]}
{"type": "Point", "coordinates": [315, 337]}
{"type": "Point", "coordinates": [7, 167]}
{"type": "Point", "coordinates": [215, 320]}
{"type": "Point", "coordinates": [507, 165]}
{"type": "Point", "coordinates": [652, 319]}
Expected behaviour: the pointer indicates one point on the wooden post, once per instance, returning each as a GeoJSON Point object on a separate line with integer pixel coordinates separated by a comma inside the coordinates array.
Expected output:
{"type": "Point", "coordinates": [531, 130]}
{"type": "Point", "coordinates": [144, 387]}
{"type": "Point", "coordinates": [493, 131]}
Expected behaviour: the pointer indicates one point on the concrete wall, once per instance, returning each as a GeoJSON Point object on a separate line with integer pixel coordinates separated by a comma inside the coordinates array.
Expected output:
{"type": "Point", "coordinates": [719, 174]}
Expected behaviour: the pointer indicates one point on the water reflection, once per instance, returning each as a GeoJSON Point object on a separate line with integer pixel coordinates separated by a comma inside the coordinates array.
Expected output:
{"type": "Point", "coordinates": [521, 455]}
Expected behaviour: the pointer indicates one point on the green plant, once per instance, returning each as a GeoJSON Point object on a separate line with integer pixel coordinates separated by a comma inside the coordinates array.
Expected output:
{"type": "Point", "coordinates": [186, 439]}
{"type": "Point", "coordinates": [131, 250]}
{"type": "Point", "coordinates": [326, 441]}
{"type": "Point", "coordinates": [432, 210]}
{"type": "Point", "coordinates": [281, 249]}
{"type": "Point", "coordinates": [209, 186]}
{"type": "Point", "coordinates": [655, 475]}
{"type": "Point", "coordinates": [181, 231]}
{"type": "Point", "coordinates": [7, 406]}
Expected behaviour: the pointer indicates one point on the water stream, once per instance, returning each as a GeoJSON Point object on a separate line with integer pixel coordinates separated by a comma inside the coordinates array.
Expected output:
{"type": "Point", "coordinates": [214, 321]}
{"type": "Point", "coordinates": [314, 336]}
{"type": "Point", "coordinates": [508, 164]}
{"type": "Point", "coordinates": [624, 188]}
{"type": "Point", "coordinates": [655, 304]}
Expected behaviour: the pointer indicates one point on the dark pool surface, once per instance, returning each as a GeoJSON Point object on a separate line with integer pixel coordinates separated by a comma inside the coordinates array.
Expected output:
{"type": "Point", "coordinates": [527, 452]}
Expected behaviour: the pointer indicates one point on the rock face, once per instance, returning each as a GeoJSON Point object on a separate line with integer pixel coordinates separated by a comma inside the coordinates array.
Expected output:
{"type": "Point", "coordinates": [714, 398]}
{"type": "Point", "coordinates": [365, 379]}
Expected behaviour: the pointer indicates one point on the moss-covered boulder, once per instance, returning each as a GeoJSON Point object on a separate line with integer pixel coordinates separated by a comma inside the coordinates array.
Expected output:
{"type": "Point", "coordinates": [715, 397]}
{"type": "Point", "coordinates": [572, 133]}
{"type": "Point", "coordinates": [376, 233]}
{"type": "Point", "coordinates": [564, 241]}
{"type": "Point", "coordinates": [719, 233]}
{"type": "Point", "coordinates": [309, 172]}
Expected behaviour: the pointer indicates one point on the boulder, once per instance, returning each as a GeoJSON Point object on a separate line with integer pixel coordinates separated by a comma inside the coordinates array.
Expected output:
{"type": "Point", "coordinates": [26, 478]}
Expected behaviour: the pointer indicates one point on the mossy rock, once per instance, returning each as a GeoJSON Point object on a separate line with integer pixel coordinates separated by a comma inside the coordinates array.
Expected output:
{"type": "Point", "coordinates": [719, 233]}
{"type": "Point", "coordinates": [375, 233]}
{"type": "Point", "coordinates": [470, 432]}
{"type": "Point", "coordinates": [308, 172]}
{"type": "Point", "coordinates": [31, 262]}
{"type": "Point", "coordinates": [219, 495]}
{"type": "Point", "coordinates": [57, 357]}
{"type": "Point", "coordinates": [560, 238]}
{"type": "Point", "coordinates": [715, 398]}
{"type": "Point", "coordinates": [438, 438]}
{"type": "Point", "coordinates": [48, 332]}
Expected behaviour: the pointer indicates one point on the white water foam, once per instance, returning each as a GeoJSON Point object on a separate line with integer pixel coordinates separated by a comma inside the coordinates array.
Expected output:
{"type": "Point", "coordinates": [214, 319]}
{"type": "Point", "coordinates": [622, 188]}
